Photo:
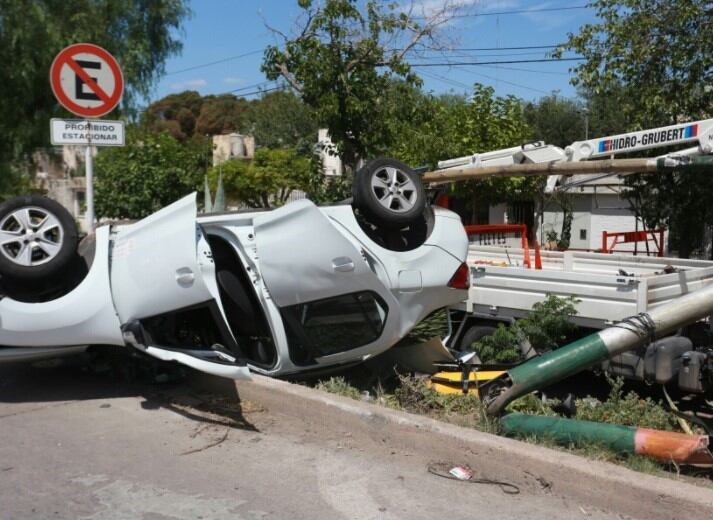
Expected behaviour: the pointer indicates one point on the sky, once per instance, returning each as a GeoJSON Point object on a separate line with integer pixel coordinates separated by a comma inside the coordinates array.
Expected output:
{"type": "Point", "coordinates": [223, 42]}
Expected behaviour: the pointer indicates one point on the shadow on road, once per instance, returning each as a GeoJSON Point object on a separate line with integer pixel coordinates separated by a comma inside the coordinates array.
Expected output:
{"type": "Point", "coordinates": [160, 385]}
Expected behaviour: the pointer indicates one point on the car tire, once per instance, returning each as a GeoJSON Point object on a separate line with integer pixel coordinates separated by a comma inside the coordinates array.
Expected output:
{"type": "Point", "coordinates": [38, 238]}
{"type": "Point", "coordinates": [473, 334]}
{"type": "Point", "coordinates": [389, 193]}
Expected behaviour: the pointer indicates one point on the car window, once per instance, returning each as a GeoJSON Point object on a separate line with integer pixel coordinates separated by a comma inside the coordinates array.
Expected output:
{"type": "Point", "coordinates": [336, 324]}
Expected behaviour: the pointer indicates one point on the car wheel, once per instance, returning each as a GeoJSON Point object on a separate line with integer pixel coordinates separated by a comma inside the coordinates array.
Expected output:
{"type": "Point", "coordinates": [389, 193]}
{"type": "Point", "coordinates": [474, 334]}
{"type": "Point", "coordinates": [38, 238]}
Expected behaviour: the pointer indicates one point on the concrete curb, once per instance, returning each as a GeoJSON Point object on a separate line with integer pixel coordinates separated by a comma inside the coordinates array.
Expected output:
{"type": "Point", "coordinates": [661, 488]}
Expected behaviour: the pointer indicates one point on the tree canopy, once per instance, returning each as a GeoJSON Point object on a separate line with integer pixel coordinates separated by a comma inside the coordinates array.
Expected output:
{"type": "Point", "coordinates": [342, 61]}
{"type": "Point", "coordinates": [658, 53]}
{"type": "Point", "coordinates": [142, 35]}
{"type": "Point", "coordinates": [151, 171]}
{"type": "Point", "coordinates": [266, 181]}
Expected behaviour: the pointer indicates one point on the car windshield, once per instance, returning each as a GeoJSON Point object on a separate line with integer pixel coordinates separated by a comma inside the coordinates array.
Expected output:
{"type": "Point", "coordinates": [336, 324]}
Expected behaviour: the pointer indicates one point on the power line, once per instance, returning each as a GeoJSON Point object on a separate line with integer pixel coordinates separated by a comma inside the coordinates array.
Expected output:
{"type": "Point", "coordinates": [505, 48]}
{"type": "Point", "coordinates": [248, 87]}
{"type": "Point", "coordinates": [528, 70]}
{"type": "Point", "coordinates": [514, 11]}
{"type": "Point", "coordinates": [462, 63]}
{"type": "Point", "coordinates": [223, 60]}
{"type": "Point", "coordinates": [465, 54]}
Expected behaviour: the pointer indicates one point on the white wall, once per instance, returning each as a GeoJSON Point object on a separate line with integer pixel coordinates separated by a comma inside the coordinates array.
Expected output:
{"type": "Point", "coordinates": [497, 214]}
{"type": "Point", "coordinates": [581, 220]}
{"type": "Point", "coordinates": [331, 163]}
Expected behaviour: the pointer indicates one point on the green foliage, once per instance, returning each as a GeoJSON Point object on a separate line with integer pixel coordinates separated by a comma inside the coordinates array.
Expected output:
{"type": "Point", "coordinates": [341, 65]}
{"type": "Point", "coordinates": [659, 52]}
{"type": "Point", "coordinates": [142, 35]}
{"type": "Point", "coordinates": [502, 346]}
{"type": "Point", "coordinates": [546, 327]}
{"type": "Point", "coordinates": [280, 120]}
{"type": "Point", "coordinates": [267, 180]}
{"type": "Point", "coordinates": [340, 386]}
{"type": "Point", "coordinates": [433, 326]}
{"type": "Point", "coordinates": [151, 171]}
{"type": "Point", "coordinates": [450, 126]}
{"type": "Point", "coordinates": [555, 120]}
{"type": "Point", "coordinates": [326, 189]}
{"type": "Point", "coordinates": [628, 410]}
{"type": "Point", "coordinates": [650, 63]}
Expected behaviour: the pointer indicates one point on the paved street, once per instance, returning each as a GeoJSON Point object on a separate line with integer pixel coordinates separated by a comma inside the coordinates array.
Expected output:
{"type": "Point", "coordinates": [77, 445]}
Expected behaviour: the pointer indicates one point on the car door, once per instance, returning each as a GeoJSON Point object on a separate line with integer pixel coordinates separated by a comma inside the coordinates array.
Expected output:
{"type": "Point", "coordinates": [303, 257]}
{"type": "Point", "coordinates": [155, 266]}
{"type": "Point", "coordinates": [162, 264]}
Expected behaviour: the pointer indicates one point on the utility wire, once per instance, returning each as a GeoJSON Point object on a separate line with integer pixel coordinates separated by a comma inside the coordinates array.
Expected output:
{"type": "Point", "coordinates": [223, 60]}
{"type": "Point", "coordinates": [514, 11]}
{"type": "Point", "coordinates": [462, 63]}
{"type": "Point", "coordinates": [504, 48]}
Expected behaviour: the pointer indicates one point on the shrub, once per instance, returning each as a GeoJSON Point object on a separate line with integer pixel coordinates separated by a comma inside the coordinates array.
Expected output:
{"type": "Point", "coordinates": [628, 410]}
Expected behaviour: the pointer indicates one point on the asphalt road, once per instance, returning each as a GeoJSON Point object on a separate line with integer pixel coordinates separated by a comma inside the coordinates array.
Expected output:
{"type": "Point", "coordinates": [79, 445]}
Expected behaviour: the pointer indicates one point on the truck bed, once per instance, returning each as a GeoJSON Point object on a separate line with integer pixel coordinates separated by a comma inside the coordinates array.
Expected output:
{"type": "Point", "coordinates": [609, 287]}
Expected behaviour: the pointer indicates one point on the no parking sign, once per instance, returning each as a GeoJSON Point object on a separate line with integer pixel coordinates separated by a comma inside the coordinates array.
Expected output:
{"type": "Point", "coordinates": [86, 80]}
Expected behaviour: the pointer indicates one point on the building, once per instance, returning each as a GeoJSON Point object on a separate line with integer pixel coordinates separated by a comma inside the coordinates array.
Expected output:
{"type": "Point", "coordinates": [231, 146]}
{"type": "Point", "coordinates": [597, 205]}
{"type": "Point", "coordinates": [60, 173]}
{"type": "Point", "coordinates": [331, 162]}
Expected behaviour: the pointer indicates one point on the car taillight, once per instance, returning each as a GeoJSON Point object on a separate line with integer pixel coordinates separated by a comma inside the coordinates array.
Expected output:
{"type": "Point", "coordinates": [461, 278]}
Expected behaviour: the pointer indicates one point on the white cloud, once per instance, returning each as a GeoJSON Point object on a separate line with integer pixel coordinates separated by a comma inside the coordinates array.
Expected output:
{"type": "Point", "coordinates": [233, 80]}
{"type": "Point", "coordinates": [547, 20]}
{"type": "Point", "coordinates": [191, 83]}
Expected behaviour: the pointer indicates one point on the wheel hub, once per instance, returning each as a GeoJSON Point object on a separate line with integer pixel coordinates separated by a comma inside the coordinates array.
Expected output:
{"type": "Point", "coordinates": [30, 236]}
{"type": "Point", "coordinates": [393, 189]}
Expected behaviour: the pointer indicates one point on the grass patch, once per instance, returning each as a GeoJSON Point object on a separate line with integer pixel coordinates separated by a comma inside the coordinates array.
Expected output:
{"type": "Point", "coordinates": [412, 394]}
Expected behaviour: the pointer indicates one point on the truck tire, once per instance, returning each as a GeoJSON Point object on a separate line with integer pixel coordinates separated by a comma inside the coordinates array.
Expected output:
{"type": "Point", "coordinates": [473, 334]}
{"type": "Point", "coordinates": [38, 238]}
{"type": "Point", "coordinates": [389, 193]}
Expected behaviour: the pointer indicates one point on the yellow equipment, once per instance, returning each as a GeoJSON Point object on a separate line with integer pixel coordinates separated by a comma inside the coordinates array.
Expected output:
{"type": "Point", "coordinates": [451, 382]}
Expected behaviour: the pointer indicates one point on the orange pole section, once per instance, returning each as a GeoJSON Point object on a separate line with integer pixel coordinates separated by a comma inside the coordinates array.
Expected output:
{"type": "Point", "coordinates": [538, 258]}
{"type": "Point", "coordinates": [668, 446]}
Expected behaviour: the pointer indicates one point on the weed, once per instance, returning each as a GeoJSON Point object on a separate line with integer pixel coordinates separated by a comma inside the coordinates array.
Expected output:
{"type": "Point", "coordinates": [629, 410]}
{"type": "Point", "coordinates": [340, 386]}
{"type": "Point", "coordinates": [546, 327]}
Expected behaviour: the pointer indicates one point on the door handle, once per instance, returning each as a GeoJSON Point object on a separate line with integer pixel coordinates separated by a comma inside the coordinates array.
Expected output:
{"type": "Point", "coordinates": [343, 264]}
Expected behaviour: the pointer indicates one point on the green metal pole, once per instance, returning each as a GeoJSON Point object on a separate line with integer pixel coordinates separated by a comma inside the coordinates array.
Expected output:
{"type": "Point", "coordinates": [621, 439]}
{"type": "Point", "coordinates": [621, 337]}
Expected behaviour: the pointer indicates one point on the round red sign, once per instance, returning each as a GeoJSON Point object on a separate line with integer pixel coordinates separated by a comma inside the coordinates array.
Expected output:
{"type": "Point", "coordinates": [86, 80]}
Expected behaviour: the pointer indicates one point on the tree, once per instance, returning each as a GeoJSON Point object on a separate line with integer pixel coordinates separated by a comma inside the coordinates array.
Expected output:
{"type": "Point", "coordinates": [151, 171]}
{"type": "Point", "coordinates": [658, 51]}
{"type": "Point", "coordinates": [451, 126]}
{"type": "Point", "coordinates": [266, 181]}
{"type": "Point", "coordinates": [142, 35]}
{"type": "Point", "coordinates": [556, 120]}
{"type": "Point", "coordinates": [175, 113]}
{"type": "Point", "coordinates": [656, 58]}
{"type": "Point", "coordinates": [220, 114]}
{"type": "Point", "coordinates": [280, 119]}
{"type": "Point", "coordinates": [342, 61]}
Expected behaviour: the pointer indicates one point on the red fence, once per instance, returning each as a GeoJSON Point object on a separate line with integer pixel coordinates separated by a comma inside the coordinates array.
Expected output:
{"type": "Point", "coordinates": [628, 237]}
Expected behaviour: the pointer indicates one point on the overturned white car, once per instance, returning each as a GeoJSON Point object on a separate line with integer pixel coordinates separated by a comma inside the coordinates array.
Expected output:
{"type": "Point", "coordinates": [291, 290]}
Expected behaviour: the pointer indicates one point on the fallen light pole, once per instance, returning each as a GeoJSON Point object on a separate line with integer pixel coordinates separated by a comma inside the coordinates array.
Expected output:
{"type": "Point", "coordinates": [661, 445]}
{"type": "Point", "coordinates": [623, 336]}
{"type": "Point", "coordinates": [667, 164]}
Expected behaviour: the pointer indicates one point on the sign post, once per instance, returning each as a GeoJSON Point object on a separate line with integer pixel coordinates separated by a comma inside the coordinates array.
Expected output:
{"type": "Point", "coordinates": [88, 82]}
